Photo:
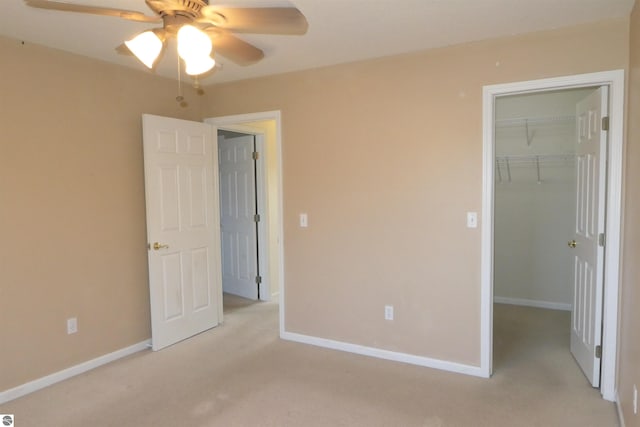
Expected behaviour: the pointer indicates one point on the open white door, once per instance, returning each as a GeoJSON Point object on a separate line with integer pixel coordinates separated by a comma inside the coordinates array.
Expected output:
{"type": "Point", "coordinates": [238, 216]}
{"type": "Point", "coordinates": [587, 246]}
{"type": "Point", "coordinates": [181, 186]}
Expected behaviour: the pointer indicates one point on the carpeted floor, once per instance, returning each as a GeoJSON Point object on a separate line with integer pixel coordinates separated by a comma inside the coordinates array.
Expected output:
{"type": "Point", "coordinates": [241, 374]}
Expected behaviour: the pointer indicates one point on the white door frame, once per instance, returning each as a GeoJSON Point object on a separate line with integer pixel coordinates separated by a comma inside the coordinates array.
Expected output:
{"type": "Point", "coordinates": [615, 81]}
{"type": "Point", "coordinates": [242, 123]}
{"type": "Point", "coordinates": [261, 206]}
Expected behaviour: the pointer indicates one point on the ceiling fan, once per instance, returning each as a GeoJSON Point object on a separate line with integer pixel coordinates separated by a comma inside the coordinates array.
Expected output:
{"type": "Point", "coordinates": [200, 28]}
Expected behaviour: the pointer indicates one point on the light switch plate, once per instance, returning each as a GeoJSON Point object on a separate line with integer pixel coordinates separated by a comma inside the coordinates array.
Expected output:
{"type": "Point", "coordinates": [472, 219]}
{"type": "Point", "coordinates": [72, 325]}
{"type": "Point", "coordinates": [388, 312]}
{"type": "Point", "coordinates": [304, 220]}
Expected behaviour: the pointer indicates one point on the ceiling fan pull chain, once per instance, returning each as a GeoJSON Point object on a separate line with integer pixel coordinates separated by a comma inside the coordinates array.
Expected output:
{"type": "Point", "coordinates": [197, 87]}
{"type": "Point", "coordinates": [180, 98]}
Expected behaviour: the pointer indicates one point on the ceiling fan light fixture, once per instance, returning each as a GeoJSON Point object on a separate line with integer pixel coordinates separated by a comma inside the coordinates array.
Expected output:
{"type": "Point", "coordinates": [146, 47]}
{"type": "Point", "coordinates": [196, 66]}
{"type": "Point", "coordinates": [193, 43]}
{"type": "Point", "coordinates": [194, 23]}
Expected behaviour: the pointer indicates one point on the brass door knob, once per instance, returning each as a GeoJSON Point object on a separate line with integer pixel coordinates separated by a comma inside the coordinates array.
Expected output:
{"type": "Point", "coordinates": [157, 246]}
{"type": "Point", "coordinates": [572, 244]}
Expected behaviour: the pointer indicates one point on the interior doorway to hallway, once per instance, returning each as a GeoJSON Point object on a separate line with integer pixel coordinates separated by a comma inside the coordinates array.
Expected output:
{"type": "Point", "coordinates": [264, 128]}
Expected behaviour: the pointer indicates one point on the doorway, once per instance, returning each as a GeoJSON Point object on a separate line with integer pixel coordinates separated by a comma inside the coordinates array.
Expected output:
{"type": "Point", "coordinates": [534, 218]}
{"type": "Point", "coordinates": [614, 80]}
{"type": "Point", "coordinates": [265, 127]}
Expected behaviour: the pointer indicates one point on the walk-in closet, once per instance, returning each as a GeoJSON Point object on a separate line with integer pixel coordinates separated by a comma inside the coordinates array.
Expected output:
{"type": "Point", "coordinates": [535, 184]}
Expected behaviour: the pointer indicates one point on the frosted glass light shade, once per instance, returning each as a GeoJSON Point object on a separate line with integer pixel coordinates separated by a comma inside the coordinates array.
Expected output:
{"type": "Point", "coordinates": [193, 43]}
{"type": "Point", "coordinates": [146, 47]}
{"type": "Point", "coordinates": [196, 66]}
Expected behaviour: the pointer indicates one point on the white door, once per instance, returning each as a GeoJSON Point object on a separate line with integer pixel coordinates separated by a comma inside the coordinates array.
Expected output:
{"type": "Point", "coordinates": [182, 227]}
{"type": "Point", "coordinates": [588, 255]}
{"type": "Point", "coordinates": [237, 216]}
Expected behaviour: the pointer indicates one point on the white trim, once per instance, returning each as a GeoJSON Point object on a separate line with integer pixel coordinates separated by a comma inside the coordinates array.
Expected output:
{"type": "Point", "coordinates": [263, 240]}
{"type": "Point", "coordinates": [615, 80]}
{"type": "Point", "coordinates": [384, 354]}
{"type": "Point", "coordinates": [486, 234]}
{"type": "Point", "coordinates": [533, 303]}
{"type": "Point", "coordinates": [247, 119]}
{"type": "Point", "coordinates": [619, 410]}
{"type": "Point", "coordinates": [613, 249]}
{"type": "Point", "coordinates": [65, 374]}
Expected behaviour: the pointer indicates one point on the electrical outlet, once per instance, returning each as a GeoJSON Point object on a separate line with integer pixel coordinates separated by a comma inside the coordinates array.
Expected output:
{"type": "Point", "coordinates": [72, 325]}
{"type": "Point", "coordinates": [635, 400]}
{"type": "Point", "coordinates": [388, 312]}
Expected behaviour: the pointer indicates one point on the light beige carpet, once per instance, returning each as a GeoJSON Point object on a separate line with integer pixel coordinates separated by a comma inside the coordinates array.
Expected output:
{"type": "Point", "coordinates": [241, 374]}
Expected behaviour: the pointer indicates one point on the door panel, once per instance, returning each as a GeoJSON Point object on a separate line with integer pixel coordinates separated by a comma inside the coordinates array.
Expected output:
{"type": "Point", "coordinates": [200, 275]}
{"type": "Point", "coordinates": [182, 216]}
{"type": "Point", "coordinates": [172, 286]}
{"type": "Point", "coordinates": [238, 207]}
{"type": "Point", "coordinates": [586, 321]}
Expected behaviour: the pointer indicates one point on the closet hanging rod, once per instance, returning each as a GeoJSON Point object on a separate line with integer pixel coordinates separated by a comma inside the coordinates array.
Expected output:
{"type": "Point", "coordinates": [522, 121]}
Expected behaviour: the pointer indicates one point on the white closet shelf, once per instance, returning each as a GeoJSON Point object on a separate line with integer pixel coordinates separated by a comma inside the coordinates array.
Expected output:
{"type": "Point", "coordinates": [533, 159]}
{"type": "Point", "coordinates": [537, 161]}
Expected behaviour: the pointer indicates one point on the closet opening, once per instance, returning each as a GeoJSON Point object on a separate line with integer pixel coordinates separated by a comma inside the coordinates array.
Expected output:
{"type": "Point", "coordinates": [549, 199]}
{"type": "Point", "coordinates": [608, 93]}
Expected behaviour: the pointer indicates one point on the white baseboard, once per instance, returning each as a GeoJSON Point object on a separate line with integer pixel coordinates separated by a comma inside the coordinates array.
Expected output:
{"type": "Point", "coordinates": [56, 377]}
{"type": "Point", "coordinates": [532, 303]}
{"type": "Point", "coordinates": [619, 409]}
{"type": "Point", "coordinates": [384, 354]}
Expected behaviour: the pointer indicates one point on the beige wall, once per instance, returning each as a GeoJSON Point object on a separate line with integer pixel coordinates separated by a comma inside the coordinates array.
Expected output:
{"type": "Point", "coordinates": [72, 213]}
{"type": "Point", "coordinates": [629, 365]}
{"type": "Point", "coordinates": [385, 156]}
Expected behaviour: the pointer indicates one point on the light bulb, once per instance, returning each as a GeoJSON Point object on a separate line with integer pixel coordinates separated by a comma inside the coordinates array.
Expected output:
{"type": "Point", "coordinates": [146, 47]}
{"type": "Point", "coordinates": [197, 65]}
{"type": "Point", "coordinates": [193, 43]}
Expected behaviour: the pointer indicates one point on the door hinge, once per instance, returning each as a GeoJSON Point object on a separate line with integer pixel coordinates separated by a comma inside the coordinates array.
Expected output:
{"type": "Point", "coordinates": [256, 218]}
{"type": "Point", "coordinates": [258, 279]}
{"type": "Point", "coordinates": [255, 155]}
{"type": "Point", "coordinates": [598, 351]}
{"type": "Point", "coordinates": [601, 239]}
{"type": "Point", "coordinates": [605, 123]}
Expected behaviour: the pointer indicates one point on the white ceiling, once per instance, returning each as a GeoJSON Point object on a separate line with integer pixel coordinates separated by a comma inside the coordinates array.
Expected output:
{"type": "Point", "coordinates": [339, 30]}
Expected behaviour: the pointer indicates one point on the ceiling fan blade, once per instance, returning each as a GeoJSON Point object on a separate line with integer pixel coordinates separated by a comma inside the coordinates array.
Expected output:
{"type": "Point", "coordinates": [72, 7]}
{"type": "Point", "coordinates": [256, 20]}
{"type": "Point", "coordinates": [234, 49]}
